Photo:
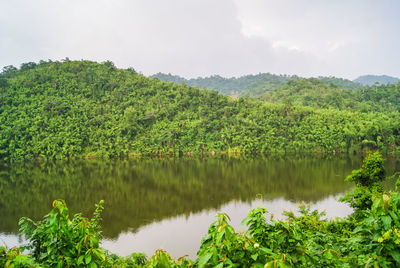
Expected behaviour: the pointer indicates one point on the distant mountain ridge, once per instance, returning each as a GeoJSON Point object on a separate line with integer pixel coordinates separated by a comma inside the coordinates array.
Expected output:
{"type": "Point", "coordinates": [369, 80]}
{"type": "Point", "coordinates": [340, 82]}
{"type": "Point", "coordinates": [252, 85]}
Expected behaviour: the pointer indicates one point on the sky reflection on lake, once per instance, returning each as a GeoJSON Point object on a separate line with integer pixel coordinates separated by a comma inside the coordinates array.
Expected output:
{"type": "Point", "coordinates": [182, 235]}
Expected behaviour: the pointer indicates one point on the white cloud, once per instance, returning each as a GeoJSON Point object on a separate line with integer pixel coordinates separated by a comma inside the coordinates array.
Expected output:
{"type": "Point", "coordinates": [338, 33]}
{"type": "Point", "coordinates": [204, 37]}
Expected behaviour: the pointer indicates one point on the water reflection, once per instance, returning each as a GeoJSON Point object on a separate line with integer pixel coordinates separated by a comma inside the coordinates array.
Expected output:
{"type": "Point", "coordinates": [139, 194]}
{"type": "Point", "coordinates": [182, 234]}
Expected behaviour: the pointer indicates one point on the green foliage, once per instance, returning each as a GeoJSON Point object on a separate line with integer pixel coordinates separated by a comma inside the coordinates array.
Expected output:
{"type": "Point", "coordinates": [13, 258]}
{"type": "Point", "coordinates": [397, 186]}
{"type": "Point", "coordinates": [368, 183]}
{"type": "Point", "coordinates": [371, 173]}
{"type": "Point", "coordinates": [161, 259]}
{"type": "Point", "coordinates": [133, 260]}
{"type": "Point", "coordinates": [376, 239]}
{"type": "Point", "coordinates": [58, 241]}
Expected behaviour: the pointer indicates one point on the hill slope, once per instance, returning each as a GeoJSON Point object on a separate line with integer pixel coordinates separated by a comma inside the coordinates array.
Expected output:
{"type": "Point", "coordinates": [86, 109]}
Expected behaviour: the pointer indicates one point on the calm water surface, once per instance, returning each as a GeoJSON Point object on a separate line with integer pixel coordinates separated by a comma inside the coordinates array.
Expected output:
{"type": "Point", "coordinates": [169, 203]}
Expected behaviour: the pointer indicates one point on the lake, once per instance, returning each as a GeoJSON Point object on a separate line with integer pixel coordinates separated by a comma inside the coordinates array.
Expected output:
{"type": "Point", "coordinates": [169, 203]}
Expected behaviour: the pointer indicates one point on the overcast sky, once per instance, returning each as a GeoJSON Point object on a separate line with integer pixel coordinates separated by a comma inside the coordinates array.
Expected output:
{"type": "Point", "coordinates": [191, 38]}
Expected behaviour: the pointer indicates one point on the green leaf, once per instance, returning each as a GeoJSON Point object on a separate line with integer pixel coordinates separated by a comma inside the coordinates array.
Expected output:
{"type": "Point", "coordinates": [204, 259]}
{"type": "Point", "coordinates": [387, 222]}
{"type": "Point", "coordinates": [219, 237]}
{"type": "Point", "coordinates": [99, 254]}
{"type": "Point", "coordinates": [80, 259]}
{"type": "Point", "coordinates": [395, 255]}
{"type": "Point", "coordinates": [266, 251]}
{"type": "Point", "coordinates": [88, 259]}
{"type": "Point", "coordinates": [269, 264]}
{"type": "Point", "coordinates": [246, 220]}
{"type": "Point", "coordinates": [395, 218]}
{"type": "Point", "coordinates": [163, 259]}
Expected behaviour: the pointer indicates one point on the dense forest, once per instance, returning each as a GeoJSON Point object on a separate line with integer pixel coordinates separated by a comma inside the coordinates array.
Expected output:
{"type": "Point", "coordinates": [74, 109]}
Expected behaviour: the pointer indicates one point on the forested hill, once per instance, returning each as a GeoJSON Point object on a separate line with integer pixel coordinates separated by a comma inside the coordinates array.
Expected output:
{"type": "Point", "coordinates": [369, 80]}
{"type": "Point", "coordinates": [319, 94]}
{"type": "Point", "coordinates": [252, 85]}
{"type": "Point", "coordinates": [85, 109]}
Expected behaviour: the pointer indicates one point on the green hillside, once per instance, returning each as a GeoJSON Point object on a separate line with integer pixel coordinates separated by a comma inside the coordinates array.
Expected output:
{"type": "Point", "coordinates": [76, 109]}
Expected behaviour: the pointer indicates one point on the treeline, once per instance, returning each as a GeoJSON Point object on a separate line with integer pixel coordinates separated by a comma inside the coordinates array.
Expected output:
{"type": "Point", "coordinates": [85, 109]}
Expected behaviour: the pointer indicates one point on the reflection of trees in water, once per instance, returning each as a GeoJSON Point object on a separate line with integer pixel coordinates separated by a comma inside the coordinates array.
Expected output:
{"type": "Point", "coordinates": [137, 192]}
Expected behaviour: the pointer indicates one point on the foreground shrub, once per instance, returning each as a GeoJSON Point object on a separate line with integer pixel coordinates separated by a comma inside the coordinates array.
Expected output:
{"type": "Point", "coordinates": [58, 241]}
